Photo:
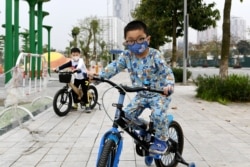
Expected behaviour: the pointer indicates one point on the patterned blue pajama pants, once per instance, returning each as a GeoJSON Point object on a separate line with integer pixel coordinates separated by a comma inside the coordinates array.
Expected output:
{"type": "Point", "coordinates": [158, 104]}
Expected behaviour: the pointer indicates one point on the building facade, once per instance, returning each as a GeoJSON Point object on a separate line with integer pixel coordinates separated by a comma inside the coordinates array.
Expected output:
{"type": "Point", "coordinates": [112, 32]}
{"type": "Point", "coordinates": [208, 35]}
{"type": "Point", "coordinates": [118, 15]}
{"type": "Point", "coordinates": [123, 9]}
{"type": "Point", "coordinates": [238, 29]}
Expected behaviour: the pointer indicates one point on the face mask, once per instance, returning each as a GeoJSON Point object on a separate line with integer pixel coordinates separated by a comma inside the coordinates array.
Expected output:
{"type": "Point", "coordinates": [138, 48]}
{"type": "Point", "coordinates": [76, 58]}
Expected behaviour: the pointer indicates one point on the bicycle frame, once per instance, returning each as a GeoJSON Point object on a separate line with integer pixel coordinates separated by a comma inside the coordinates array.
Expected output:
{"type": "Point", "coordinates": [112, 142]}
{"type": "Point", "coordinates": [113, 133]}
{"type": "Point", "coordinates": [120, 121]}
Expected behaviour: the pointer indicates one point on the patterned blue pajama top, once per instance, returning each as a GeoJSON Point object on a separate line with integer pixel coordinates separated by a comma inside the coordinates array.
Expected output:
{"type": "Point", "coordinates": [152, 70]}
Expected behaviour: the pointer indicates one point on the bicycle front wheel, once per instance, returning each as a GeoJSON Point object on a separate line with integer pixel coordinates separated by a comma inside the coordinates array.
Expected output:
{"type": "Point", "coordinates": [108, 154]}
{"type": "Point", "coordinates": [170, 158]}
{"type": "Point", "coordinates": [93, 96]}
{"type": "Point", "coordinates": [62, 102]}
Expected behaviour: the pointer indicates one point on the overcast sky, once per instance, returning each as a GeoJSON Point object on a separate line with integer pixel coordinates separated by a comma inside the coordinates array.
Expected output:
{"type": "Point", "coordinates": [64, 14]}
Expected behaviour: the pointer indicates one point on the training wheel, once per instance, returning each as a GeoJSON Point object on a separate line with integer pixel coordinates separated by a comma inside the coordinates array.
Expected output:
{"type": "Point", "coordinates": [191, 164]}
{"type": "Point", "coordinates": [148, 160]}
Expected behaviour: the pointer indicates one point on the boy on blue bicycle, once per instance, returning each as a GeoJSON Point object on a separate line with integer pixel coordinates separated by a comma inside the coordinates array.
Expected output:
{"type": "Point", "coordinates": [146, 66]}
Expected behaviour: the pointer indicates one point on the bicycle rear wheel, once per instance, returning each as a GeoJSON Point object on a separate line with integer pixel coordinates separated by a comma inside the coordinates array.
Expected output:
{"type": "Point", "coordinates": [62, 102]}
{"type": "Point", "coordinates": [93, 96]}
{"type": "Point", "coordinates": [170, 158]}
{"type": "Point", "coordinates": [108, 154]}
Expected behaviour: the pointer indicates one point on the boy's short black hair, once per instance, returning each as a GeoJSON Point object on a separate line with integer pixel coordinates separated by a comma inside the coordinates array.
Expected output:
{"type": "Point", "coordinates": [135, 25]}
{"type": "Point", "coordinates": [73, 50]}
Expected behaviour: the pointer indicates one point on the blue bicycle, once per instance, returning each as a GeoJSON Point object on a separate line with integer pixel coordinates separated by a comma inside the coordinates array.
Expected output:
{"type": "Point", "coordinates": [143, 134]}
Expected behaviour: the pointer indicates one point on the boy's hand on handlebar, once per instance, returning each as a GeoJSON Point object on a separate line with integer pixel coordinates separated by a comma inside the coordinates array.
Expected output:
{"type": "Point", "coordinates": [74, 70]}
{"type": "Point", "coordinates": [91, 75]}
{"type": "Point", "coordinates": [168, 90]}
{"type": "Point", "coordinates": [56, 70]}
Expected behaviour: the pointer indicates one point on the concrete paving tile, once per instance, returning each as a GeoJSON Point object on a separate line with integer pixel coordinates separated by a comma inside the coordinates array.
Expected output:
{"type": "Point", "coordinates": [53, 158]}
{"type": "Point", "coordinates": [73, 164]}
{"type": "Point", "coordinates": [215, 135]}
{"type": "Point", "coordinates": [49, 164]}
{"type": "Point", "coordinates": [77, 157]}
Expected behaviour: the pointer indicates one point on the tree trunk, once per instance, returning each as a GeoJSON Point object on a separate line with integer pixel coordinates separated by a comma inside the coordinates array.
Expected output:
{"type": "Point", "coordinates": [225, 40]}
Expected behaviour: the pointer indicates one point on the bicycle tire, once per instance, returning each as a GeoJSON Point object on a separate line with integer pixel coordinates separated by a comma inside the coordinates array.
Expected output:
{"type": "Point", "coordinates": [62, 102]}
{"type": "Point", "coordinates": [93, 96]}
{"type": "Point", "coordinates": [108, 154]}
{"type": "Point", "coordinates": [169, 159]}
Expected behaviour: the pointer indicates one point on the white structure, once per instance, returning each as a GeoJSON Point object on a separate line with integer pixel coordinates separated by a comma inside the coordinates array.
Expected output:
{"type": "Point", "coordinates": [238, 29]}
{"type": "Point", "coordinates": [118, 15]}
{"type": "Point", "coordinates": [123, 9]}
{"type": "Point", "coordinates": [208, 35]}
{"type": "Point", "coordinates": [112, 32]}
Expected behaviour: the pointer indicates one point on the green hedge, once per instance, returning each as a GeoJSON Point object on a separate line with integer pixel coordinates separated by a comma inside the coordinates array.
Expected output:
{"type": "Point", "coordinates": [178, 74]}
{"type": "Point", "coordinates": [235, 88]}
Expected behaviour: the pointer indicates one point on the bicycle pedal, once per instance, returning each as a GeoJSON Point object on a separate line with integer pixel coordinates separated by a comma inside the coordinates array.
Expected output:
{"type": "Point", "coordinates": [117, 105]}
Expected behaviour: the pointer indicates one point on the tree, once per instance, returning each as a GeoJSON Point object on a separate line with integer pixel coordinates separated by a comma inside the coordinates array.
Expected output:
{"type": "Point", "coordinates": [243, 47]}
{"type": "Point", "coordinates": [225, 39]}
{"type": "Point", "coordinates": [165, 19]}
{"type": "Point", "coordinates": [75, 32]}
{"type": "Point", "coordinates": [89, 30]}
{"type": "Point", "coordinates": [95, 28]}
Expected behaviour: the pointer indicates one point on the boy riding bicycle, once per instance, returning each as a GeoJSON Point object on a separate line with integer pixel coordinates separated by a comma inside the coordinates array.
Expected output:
{"type": "Point", "coordinates": [77, 64]}
{"type": "Point", "coordinates": [146, 67]}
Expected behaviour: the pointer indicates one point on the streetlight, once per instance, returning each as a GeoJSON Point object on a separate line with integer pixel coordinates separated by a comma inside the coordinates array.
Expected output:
{"type": "Point", "coordinates": [32, 4]}
{"type": "Point", "coordinates": [40, 14]}
{"type": "Point", "coordinates": [8, 40]}
{"type": "Point", "coordinates": [48, 29]}
{"type": "Point", "coordinates": [25, 35]}
{"type": "Point", "coordinates": [185, 55]}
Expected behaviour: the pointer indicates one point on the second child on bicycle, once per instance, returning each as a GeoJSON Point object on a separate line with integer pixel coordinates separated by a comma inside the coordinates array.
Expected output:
{"type": "Point", "coordinates": [77, 64]}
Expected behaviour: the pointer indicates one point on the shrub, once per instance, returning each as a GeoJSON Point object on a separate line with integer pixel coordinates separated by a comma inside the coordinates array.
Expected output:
{"type": "Point", "coordinates": [178, 74]}
{"type": "Point", "coordinates": [235, 88]}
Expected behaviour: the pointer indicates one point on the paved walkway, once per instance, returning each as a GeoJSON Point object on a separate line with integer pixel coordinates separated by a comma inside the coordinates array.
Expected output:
{"type": "Point", "coordinates": [215, 135]}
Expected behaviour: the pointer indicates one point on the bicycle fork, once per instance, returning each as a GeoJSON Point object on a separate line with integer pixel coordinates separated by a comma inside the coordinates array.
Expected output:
{"type": "Point", "coordinates": [114, 135]}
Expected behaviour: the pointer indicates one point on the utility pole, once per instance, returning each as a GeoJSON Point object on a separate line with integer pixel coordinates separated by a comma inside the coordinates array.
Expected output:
{"type": "Point", "coordinates": [185, 54]}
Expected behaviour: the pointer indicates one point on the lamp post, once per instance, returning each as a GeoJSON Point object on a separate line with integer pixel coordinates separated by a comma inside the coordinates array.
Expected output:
{"type": "Point", "coordinates": [25, 36]}
{"type": "Point", "coordinates": [16, 30]}
{"type": "Point", "coordinates": [2, 37]}
{"type": "Point", "coordinates": [11, 58]}
{"type": "Point", "coordinates": [32, 4]}
{"type": "Point", "coordinates": [40, 14]}
{"type": "Point", "coordinates": [48, 29]}
{"type": "Point", "coordinates": [8, 40]}
{"type": "Point", "coordinates": [185, 54]}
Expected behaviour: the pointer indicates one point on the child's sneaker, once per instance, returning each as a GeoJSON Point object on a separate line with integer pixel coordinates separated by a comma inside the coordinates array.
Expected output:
{"type": "Point", "coordinates": [75, 106]}
{"type": "Point", "coordinates": [148, 160]}
{"type": "Point", "coordinates": [158, 147]}
{"type": "Point", "coordinates": [87, 109]}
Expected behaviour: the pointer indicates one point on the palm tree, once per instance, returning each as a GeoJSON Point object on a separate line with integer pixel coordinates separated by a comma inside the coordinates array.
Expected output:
{"type": "Point", "coordinates": [75, 32]}
{"type": "Point", "coordinates": [95, 28]}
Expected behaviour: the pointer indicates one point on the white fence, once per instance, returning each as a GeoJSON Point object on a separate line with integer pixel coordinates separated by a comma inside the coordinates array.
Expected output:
{"type": "Point", "coordinates": [28, 82]}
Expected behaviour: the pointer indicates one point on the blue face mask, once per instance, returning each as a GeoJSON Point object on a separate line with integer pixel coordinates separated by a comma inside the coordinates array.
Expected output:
{"type": "Point", "coordinates": [138, 48]}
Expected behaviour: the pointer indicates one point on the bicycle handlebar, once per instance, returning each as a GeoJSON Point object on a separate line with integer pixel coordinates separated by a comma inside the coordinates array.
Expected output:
{"type": "Point", "coordinates": [128, 88]}
{"type": "Point", "coordinates": [69, 72]}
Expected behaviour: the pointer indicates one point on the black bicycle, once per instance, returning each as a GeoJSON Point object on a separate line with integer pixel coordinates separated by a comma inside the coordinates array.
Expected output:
{"type": "Point", "coordinates": [143, 134]}
{"type": "Point", "coordinates": [62, 101]}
